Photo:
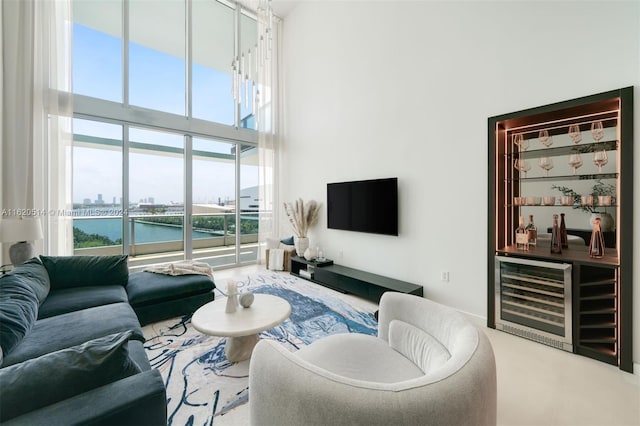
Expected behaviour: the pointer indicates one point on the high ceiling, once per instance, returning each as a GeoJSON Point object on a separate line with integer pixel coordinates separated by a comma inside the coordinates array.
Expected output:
{"type": "Point", "coordinates": [283, 7]}
{"type": "Point", "coordinates": [280, 7]}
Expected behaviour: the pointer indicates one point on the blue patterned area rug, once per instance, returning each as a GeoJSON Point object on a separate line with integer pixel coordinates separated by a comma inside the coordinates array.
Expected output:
{"type": "Point", "coordinates": [202, 386]}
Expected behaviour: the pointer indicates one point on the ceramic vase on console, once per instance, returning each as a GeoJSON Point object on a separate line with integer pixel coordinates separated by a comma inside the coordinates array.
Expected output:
{"type": "Point", "coordinates": [309, 253]}
{"type": "Point", "coordinates": [606, 221]}
{"type": "Point", "coordinates": [301, 244]}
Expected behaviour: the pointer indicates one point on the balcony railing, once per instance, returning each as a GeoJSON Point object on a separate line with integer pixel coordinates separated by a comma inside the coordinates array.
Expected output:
{"type": "Point", "coordinates": [153, 237]}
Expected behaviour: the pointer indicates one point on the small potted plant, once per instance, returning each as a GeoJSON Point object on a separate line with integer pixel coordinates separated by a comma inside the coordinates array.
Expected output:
{"type": "Point", "coordinates": [302, 216]}
{"type": "Point", "coordinates": [599, 189]}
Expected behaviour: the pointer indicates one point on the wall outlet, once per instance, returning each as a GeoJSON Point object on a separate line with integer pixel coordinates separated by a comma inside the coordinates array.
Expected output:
{"type": "Point", "coordinates": [444, 276]}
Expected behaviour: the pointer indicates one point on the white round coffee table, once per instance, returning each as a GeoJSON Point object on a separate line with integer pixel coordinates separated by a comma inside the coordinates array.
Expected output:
{"type": "Point", "coordinates": [242, 326]}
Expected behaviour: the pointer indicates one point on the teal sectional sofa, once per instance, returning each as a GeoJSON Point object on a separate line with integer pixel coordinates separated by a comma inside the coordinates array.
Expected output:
{"type": "Point", "coordinates": [71, 343]}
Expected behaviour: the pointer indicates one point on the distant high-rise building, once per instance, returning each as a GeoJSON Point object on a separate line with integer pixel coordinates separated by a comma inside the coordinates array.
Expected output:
{"type": "Point", "coordinates": [86, 201]}
{"type": "Point", "coordinates": [151, 200]}
{"type": "Point", "coordinates": [99, 200]}
{"type": "Point", "coordinates": [114, 201]}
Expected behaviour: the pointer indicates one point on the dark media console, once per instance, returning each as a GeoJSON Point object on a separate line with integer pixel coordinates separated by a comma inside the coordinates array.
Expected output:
{"type": "Point", "coordinates": [348, 280]}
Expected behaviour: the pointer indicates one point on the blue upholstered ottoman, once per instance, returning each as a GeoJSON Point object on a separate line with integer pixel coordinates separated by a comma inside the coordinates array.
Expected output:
{"type": "Point", "coordinates": [155, 297]}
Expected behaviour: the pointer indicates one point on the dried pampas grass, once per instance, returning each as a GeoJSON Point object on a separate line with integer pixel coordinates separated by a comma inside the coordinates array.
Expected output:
{"type": "Point", "coordinates": [302, 216]}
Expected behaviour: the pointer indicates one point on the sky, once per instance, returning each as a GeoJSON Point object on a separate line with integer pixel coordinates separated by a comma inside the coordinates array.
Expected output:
{"type": "Point", "coordinates": [157, 81]}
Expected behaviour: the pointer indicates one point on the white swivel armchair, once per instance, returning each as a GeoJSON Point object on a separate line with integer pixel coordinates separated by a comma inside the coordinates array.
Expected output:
{"type": "Point", "coordinates": [428, 366]}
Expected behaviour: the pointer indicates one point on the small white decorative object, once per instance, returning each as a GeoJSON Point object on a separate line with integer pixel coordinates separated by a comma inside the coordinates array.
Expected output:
{"type": "Point", "coordinates": [246, 299]}
{"type": "Point", "coordinates": [309, 253]}
{"type": "Point", "coordinates": [232, 297]}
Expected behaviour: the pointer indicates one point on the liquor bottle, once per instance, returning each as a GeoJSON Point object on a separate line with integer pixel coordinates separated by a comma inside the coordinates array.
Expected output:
{"type": "Point", "coordinates": [556, 246]}
{"type": "Point", "coordinates": [522, 238]}
{"type": "Point", "coordinates": [596, 246]}
{"type": "Point", "coordinates": [532, 231]}
{"type": "Point", "coordinates": [564, 239]}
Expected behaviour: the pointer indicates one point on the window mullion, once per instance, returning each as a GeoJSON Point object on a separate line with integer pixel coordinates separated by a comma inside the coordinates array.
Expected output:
{"type": "Point", "coordinates": [189, 56]}
{"type": "Point", "coordinates": [126, 235]}
{"type": "Point", "coordinates": [125, 52]}
{"type": "Point", "coordinates": [188, 197]}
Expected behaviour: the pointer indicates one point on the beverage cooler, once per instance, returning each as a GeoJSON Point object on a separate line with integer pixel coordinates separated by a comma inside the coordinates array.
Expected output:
{"type": "Point", "coordinates": [533, 300]}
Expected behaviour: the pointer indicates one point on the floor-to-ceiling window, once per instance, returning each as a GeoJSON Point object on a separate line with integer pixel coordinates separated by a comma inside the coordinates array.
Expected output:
{"type": "Point", "coordinates": [164, 159]}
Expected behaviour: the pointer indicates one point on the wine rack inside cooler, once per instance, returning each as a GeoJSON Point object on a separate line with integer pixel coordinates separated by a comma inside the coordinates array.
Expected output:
{"type": "Point", "coordinates": [598, 314]}
{"type": "Point", "coordinates": [533, 300]}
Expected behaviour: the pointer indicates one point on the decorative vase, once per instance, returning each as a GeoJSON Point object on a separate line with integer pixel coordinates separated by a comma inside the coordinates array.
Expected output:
{"type": "Point", "coordinates": [606, 221]}
{"type": "Point", "coordinates": [232, 297]}
{"type": "Point", "coordinates": [301, 244]}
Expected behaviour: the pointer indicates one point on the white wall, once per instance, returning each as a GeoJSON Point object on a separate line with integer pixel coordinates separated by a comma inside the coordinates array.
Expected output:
{"type": "Point", "coordinates": [381, 89]}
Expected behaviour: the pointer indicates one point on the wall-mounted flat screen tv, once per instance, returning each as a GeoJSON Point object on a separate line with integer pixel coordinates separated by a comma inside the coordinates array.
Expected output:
{"type": "Point", "coordinates": [364, 206]}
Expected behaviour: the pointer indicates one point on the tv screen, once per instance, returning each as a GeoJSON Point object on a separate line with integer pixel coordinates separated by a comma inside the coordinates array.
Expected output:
{"type": "Point", "coordinates": [364, 206]}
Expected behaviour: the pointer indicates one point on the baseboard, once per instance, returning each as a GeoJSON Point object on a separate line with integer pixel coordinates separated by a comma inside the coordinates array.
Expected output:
{"type": "Point", "coordinates": [481, 321]}
{"type": "Point", "coordinates": [477, 320]}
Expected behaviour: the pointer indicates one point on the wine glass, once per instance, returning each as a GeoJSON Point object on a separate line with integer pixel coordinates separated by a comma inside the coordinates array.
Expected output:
{"type": "Point", "coordinates": [522, 166]}
{"type": "Point", "coordinates": [597, 131]}
{"type": "Point", "coordinates": [575, 161]}
{"type": "Point", "coordinates": [574, 133]}
{"type": "Point", "coordinates": [544, 138]}
{"type": "Point", "coordinates": [519, 141]}
{"type": "Point", "coordinates": [600, 159]}
{"type": "Point", "coordinates": [545, 163]}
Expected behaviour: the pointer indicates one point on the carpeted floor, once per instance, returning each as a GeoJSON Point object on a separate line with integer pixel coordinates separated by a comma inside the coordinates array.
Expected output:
{"type": "Point", "coordinates": [203, 387]}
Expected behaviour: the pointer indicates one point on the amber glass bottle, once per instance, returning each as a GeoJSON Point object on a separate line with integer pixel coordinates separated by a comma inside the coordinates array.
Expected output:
{"type": "Point", "coordinates": [564, 239]}
{"type": "Point", "coordinates": [596, 246]}
{"type": "Point", "coordinates": [556, 245]}
{"type": "Point", "coordinates": [532, 231]}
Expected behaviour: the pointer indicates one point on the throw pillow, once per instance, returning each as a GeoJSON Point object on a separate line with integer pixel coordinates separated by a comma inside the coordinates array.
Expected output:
{"type": "Point", "coordinates": [288, 241]}
{"type": "Point", "coordinates": [420, 347]}
{"type": "Point", "coordinates": [36, 277]}
{"type": "Point", "coordinates": [18, 310]}
{"type": "Point", "coordinates": [59, 375]}
{"type": "Point", "coordinates": [80, 271]}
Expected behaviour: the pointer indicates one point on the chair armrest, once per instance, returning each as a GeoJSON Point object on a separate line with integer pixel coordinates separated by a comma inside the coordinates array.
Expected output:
{"type": "Point", "coordinates": [136, 400]}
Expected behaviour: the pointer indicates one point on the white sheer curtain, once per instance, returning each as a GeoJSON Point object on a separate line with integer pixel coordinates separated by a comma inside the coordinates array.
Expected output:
{"type": "Point", "coordinates": [269, 122]}
{"type": "Point", "coordinates": [36, 116]}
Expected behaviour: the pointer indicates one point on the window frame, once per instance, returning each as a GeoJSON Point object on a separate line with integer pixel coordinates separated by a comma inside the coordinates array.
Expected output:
{"type": "Point", "coordinates": [127, 115]}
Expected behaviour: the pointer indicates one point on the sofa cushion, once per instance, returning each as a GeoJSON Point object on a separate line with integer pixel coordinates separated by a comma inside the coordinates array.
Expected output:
{"type": "Point", "coordinates": [71, 329]}
{"type": "Point", "coordinates": [360, 357]}
{"type": "Point", "coordinates": [62, 374]}
{"type": "Point", "coordinates": [77, 298]}
{"type": "Point", "coordinates": [18, 310]}
{"type": "Point", "coordinates": [420, 347]}
{"type": "Point", "coordinates": [80, 271]}
{"type": "Point", "coordinates": [148, 288]}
